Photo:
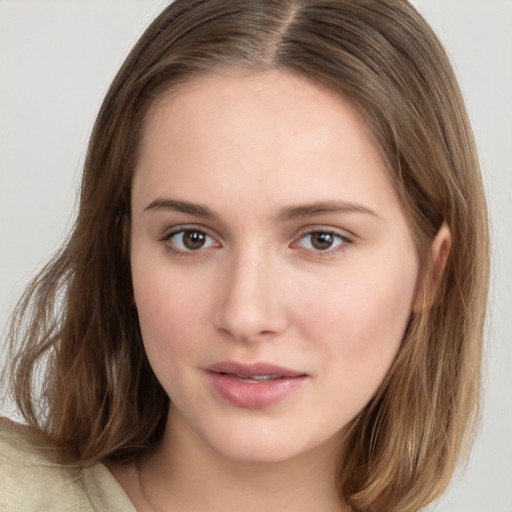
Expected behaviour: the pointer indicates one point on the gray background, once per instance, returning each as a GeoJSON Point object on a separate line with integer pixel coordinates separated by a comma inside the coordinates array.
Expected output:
{"type": "Point", "coordinates": [57, 58]}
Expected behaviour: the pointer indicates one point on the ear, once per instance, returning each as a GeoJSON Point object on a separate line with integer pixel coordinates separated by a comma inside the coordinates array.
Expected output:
{"type": "Point", "coordinates": [433, 275]}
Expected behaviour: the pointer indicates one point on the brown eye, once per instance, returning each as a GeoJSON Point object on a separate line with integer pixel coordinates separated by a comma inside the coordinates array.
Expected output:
{"type": "Point", "coordinates": [193, 240]}
{"type": "Point", "coordinates": [189, 240]}
{"type": "Point", "coordinates": [321, 240]}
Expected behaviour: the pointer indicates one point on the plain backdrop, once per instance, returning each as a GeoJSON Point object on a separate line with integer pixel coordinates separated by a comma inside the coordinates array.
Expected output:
{"type": "Point", "coordinates": [57, 58]}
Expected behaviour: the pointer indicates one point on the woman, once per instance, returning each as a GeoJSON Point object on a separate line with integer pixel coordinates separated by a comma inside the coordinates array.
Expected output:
{"type": "Point", "coordinates": [277, 209]}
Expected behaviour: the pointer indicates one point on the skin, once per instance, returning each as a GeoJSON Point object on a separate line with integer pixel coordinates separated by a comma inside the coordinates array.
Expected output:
{"type": "Point", "coordinates": [256, 151]}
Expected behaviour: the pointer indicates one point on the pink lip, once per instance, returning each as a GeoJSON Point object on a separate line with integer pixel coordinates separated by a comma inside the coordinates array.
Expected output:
{"type": "Point", "coordinates": [238, 383]}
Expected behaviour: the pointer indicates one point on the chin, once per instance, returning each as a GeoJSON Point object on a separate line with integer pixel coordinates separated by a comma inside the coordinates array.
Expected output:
{"type": "Point", "coordinates": [257, 451]}
{"type": "Point", "coordinates": [267, 443]}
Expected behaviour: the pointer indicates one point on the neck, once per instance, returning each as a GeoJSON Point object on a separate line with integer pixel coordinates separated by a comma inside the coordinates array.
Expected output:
{"type": "Point", "coordinates": [184, 473]}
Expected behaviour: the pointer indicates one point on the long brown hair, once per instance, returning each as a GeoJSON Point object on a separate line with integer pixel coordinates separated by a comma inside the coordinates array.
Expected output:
{"type": "Point", "coordinates": [78, 368]}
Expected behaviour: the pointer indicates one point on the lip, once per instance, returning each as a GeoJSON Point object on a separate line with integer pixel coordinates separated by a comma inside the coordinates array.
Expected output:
{"type": "Point", "coordinates": [241, 385]}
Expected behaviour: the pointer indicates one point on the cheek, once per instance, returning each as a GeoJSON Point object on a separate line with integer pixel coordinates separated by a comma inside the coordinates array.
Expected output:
{"type": "Point", "coordinates": [170, 308]}
{"type": "Point", "coordinates": [360, 321]}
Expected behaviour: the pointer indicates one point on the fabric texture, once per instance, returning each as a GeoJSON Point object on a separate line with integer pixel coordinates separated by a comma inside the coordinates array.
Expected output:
{"type": "Point", "coordinates": [34, 476]}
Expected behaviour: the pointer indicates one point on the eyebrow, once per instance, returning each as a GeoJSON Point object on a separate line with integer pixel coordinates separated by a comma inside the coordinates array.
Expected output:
{"type": "Point", "coordinates": [322, 208]}
{"type": "Point", "coordinates": [180, 206]}
{"type": "Point", "coordinates": [288, 213]}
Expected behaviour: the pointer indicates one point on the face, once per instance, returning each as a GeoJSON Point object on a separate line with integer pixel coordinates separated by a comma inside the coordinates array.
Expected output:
{"type": "Point", "coordinates": [273, 267]}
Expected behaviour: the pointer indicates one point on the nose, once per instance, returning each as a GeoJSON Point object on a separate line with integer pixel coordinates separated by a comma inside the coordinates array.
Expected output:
{"type": "Point", "coordinates": [252, 302]}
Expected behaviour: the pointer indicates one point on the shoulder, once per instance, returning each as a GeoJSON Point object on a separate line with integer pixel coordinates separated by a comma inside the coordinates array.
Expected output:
{"type": "Point", "coordinates": [30, 474]}
{"type": "Point", "coordinates": [22, 444]}
{"type": "Point", "coordinates": [34, 477]}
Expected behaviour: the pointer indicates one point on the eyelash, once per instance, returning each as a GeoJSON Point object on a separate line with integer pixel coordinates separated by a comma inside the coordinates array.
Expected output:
{"type": "Point", "coordinates": [343, 245]}
{"type": "Point", "coordinates": [183, 230]}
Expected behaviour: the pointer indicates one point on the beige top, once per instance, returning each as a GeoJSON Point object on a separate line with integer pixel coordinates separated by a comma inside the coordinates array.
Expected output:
{"type": "Point", "coordinates": [32, 480]}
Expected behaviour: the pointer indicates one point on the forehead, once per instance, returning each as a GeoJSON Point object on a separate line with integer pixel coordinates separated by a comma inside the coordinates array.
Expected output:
{"type": "Point", "coordinates": [278, 96]}
{"type": "Point", "coordinates": [242, 131]}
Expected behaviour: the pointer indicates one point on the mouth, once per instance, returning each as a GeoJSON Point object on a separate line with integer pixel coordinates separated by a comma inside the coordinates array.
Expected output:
{"type": "Point", "coordinates": [257, 378]}
{"type": "Point", "coordinates": [253, 386]}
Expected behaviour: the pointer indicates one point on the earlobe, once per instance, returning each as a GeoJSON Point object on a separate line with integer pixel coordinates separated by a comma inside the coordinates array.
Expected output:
{"type": "Point", "coordinates": [433, 275]}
